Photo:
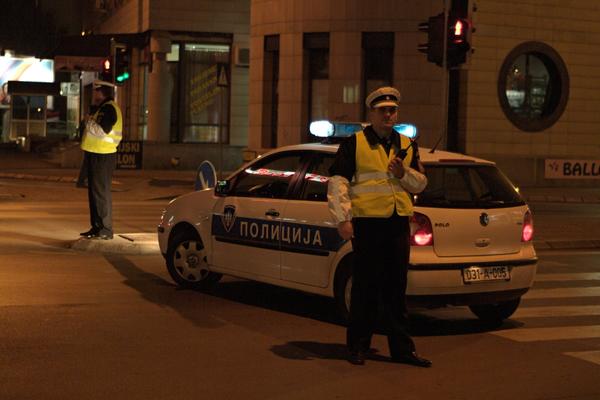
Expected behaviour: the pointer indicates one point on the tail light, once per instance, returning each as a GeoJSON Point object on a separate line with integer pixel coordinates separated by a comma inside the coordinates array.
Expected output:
{"type": "Point", "coordinates": [527, 233]}
{"type": "Point", "coordinates": [421, 233]}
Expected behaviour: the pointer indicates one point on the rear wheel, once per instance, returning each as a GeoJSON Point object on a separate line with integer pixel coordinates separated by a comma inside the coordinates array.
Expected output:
{"type": "Point", "coordinates": [187, 264]}
{"type": "Point", "coordinates": [494, 314]}
{"type": "Point", "coordinates": [343, 287]}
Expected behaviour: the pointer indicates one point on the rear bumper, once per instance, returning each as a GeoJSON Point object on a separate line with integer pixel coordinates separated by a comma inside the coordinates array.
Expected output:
{"type": "Point", "coordinates": [443, 284]}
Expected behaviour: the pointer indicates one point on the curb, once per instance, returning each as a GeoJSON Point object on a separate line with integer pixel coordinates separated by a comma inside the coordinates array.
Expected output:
{"type": "Point", "coordinates": [50, 178]}
{"type": "Point", "coordinates": [562, 199]}
{"type": "Point", "coordinates": [566, 244]}
{"type": "Point", "coordinates": [126, 243]}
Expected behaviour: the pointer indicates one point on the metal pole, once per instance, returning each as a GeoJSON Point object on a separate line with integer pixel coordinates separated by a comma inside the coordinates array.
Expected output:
{"type": "Point", "coordinates": [444, 105]}
{"type": "Point", "coordinates": [221, 124]}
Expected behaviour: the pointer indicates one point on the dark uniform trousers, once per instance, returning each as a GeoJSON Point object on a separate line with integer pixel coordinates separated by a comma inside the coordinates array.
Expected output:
{"type": "Point", "coordinates": [382, 248]}
{"type": "Point", "coordinates": [100, 169]}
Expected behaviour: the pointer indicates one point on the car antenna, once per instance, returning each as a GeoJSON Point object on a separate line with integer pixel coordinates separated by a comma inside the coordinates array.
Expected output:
{"type": "Point", "coordinates": [436, 145]}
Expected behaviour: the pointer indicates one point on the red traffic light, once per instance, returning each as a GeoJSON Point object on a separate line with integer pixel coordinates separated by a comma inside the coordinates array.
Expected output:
{"type": "Point", "coordinates": [459, 28]}
{"type": "Point", "coordinates": [106, 64]}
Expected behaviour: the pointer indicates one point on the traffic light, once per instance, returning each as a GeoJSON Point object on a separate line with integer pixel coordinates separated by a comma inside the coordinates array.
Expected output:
{"type": "Point", "coordinates": [122, 68]}
{"type": "Point", "coordinates": [458, 42]}
{"type": "Point", "coordinates": [457, 35]}
{"type": "Point", "coordinates": [434, 48]}
{"type": "Point", "coordinates": [106, 73]}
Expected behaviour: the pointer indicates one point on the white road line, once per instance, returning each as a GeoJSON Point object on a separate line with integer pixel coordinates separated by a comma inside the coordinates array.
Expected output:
{"type": "Point", "coordinates": [545, 334]}
{"type": "Point", "coordinates": [591, 356]}
{"type": "Point", "coordinates": [563, 293]}
{"type": "Point", "coordinates": [558, 311]}
{"type": "Point", "coordinates": [583, 276]}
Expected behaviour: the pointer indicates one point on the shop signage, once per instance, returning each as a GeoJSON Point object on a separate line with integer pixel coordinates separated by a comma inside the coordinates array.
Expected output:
{"type": "Point", "coordinates": [129, 154]}
{"type": "Point", "coordinates": [572, 169]}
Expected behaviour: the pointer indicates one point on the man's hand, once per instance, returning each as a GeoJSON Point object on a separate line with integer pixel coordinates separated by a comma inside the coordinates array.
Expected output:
{"type": "Point", "coordinates": [397, 168]}
{"type": "Point", "coordinates": [346, 230]}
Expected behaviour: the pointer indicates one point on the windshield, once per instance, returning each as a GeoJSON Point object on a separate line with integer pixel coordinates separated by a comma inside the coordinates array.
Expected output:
{"type": "Point", "coordinates": [467, 186]}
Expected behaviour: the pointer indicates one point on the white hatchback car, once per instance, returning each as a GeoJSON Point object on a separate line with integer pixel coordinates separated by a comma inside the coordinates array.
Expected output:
{"type": "Point", "coordinates": [269, 222]}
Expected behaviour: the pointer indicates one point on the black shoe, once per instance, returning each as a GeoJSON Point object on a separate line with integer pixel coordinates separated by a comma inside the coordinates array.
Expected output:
{"type": "Point", "coordinates": [89, 234]}
{"type": "Point", "coordinates": [356, 358]}
{"type": "Point", "coordinates": [412, 359]}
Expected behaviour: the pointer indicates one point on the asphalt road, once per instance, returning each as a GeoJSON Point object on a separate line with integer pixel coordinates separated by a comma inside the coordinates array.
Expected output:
{"type": "Point", "coordinates": [87, 325]}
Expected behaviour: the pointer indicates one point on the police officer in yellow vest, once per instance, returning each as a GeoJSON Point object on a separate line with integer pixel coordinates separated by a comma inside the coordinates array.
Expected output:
{"type": "Point", "coordinates": [102, 134]}
{"type": "Point", "coordinates": [372, 177]}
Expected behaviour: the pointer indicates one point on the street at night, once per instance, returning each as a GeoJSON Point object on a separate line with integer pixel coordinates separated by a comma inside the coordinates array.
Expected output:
{"type": "Point", "coordinates": [300, 199]}
{"type": "Point", "coordinates": [87, 324]}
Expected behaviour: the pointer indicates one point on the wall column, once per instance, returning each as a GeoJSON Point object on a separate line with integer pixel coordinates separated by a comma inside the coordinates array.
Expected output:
{"type": "Point", "coordinates": [160, 89]}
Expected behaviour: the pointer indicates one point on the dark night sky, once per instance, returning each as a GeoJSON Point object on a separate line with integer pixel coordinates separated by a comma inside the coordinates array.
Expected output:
{"type": "Point", "coordinates": [33, 27]}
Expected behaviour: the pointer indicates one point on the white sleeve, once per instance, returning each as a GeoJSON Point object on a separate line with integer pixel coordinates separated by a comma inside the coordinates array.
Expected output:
{"type": "Point", "coordinates": [92, 128]}
{"type": "Point", "coordinates": [413, 181]}
{"type": "Point", "coordinates": [338, 197]}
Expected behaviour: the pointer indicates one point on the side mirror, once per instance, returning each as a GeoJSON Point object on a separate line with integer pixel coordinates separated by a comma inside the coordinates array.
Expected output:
{"type": "Point", "coordinates": [222, 188]}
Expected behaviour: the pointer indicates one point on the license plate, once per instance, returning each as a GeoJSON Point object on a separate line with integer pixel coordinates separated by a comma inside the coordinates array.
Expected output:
{"type": "Point", "coordinates": [485, 274]}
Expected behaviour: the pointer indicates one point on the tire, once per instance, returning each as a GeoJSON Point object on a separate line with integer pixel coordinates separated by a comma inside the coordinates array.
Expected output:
{"type": "Point", "coordinates": [343, 286]}
{"type": "Point", "coordinates": [186, 262]}
{"type": "Point", "coordinates": [494, 314]}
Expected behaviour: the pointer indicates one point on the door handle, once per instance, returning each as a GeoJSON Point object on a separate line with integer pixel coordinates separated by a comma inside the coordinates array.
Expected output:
{"type": "Point", "coordinates": [272, 213]}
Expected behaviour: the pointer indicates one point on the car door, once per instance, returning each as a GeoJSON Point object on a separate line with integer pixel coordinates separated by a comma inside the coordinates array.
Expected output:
{"type": "Point", "coordinates": [246, 223]}
{"type": "Point", "coordinates": [311, 240]}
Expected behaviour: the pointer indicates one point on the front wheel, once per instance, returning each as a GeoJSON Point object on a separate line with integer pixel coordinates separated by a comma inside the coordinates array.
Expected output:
{"type": "Point", "coordinates": [494, 314]}
{"type": "Point", "coordinates": [187, 264]}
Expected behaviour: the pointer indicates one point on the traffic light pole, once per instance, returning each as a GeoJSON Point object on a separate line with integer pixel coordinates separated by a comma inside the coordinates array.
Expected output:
{"type": "Point", "coordinates": [444, 108]}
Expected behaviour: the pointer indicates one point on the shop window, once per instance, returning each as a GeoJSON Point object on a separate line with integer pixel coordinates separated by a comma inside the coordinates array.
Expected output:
{"type": "Point", "coordinates": [378, 62]}
{"type": "Point", "coordinates": [533, 86]}
{"type": "Point", "coordinates": [317, 48]}
{"type": "Point", "coordinates": [203, 103]}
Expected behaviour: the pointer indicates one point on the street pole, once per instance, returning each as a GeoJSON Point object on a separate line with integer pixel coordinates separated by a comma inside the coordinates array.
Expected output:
{"type": "Point", "coordinates": [444, 105]}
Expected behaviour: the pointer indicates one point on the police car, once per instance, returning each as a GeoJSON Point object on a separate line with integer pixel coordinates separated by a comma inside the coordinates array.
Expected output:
{"type": "Point", "coordinates": [471, 233]}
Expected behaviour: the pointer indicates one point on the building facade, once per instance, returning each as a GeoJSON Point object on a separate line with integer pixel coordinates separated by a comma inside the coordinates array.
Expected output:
{"type": "Point", "coordinates": [527, 97]}
{"type": "Point", "coordinates": [187, 92]}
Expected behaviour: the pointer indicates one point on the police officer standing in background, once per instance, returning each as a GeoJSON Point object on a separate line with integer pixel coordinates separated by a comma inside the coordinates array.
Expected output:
{"type": "Point", "coordinates": [102, 134]}
{"type": "Point", "coordinates": [372, 177]}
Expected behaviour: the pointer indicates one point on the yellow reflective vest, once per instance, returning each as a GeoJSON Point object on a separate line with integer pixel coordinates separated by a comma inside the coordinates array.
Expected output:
{"type": "Point", "coordinates": [108, 143]}
{"type": "Point", "coordinates": [375, 192]}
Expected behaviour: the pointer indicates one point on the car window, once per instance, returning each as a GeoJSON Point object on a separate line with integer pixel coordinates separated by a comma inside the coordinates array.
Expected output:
{"type": "Point", "coordinates": [314, 185]}
{"type": "Point", "coordinates": [467, 186]}
{"type": "Point", "coordinates": [270, 177]}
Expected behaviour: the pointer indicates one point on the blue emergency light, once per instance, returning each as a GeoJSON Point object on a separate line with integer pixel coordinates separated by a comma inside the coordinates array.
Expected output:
{"type": "Point", "coordinates": [408, 130]}
{"type": "Point", "coordinates": [328, 129]}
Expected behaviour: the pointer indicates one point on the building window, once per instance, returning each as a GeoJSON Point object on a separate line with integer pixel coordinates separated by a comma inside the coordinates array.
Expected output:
{"type": "Point", "coordinates": [317, 48]}
{"type": "Point", "coordinates": [203, 99]}
{"type": "Point", "coordinates": [270, 91]}
{"type": "Point", "coordinates": [533, 86]}
{"type": "Point", "coordinates": [378, 62]}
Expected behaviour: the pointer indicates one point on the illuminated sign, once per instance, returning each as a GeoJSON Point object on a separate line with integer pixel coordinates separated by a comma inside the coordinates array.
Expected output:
{"type": "Point", "coordinates": [26, 69]}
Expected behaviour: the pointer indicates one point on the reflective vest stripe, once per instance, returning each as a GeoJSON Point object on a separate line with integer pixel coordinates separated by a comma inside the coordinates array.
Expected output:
{"type": "Point", "coordinates": [365, 176]}
{"type": "Point", "coordinates": [390, 189]}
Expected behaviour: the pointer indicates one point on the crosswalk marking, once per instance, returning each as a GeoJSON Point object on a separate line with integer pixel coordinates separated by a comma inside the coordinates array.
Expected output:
{"type": "Point", "coordinates": [555, 333]}
{"type": "Point", "coordinates": [557, 311]}
{"type": "Point", "coordinates": [582, 276]}
{"type": "Point", "coordinates": [591, 356]}
{"type": "Point", "coordinates": [563, 293]}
